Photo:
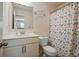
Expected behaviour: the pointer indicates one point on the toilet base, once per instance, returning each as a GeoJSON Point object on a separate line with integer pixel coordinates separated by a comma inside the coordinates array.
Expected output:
{"type": "Point", "coordinates": [45, 55]}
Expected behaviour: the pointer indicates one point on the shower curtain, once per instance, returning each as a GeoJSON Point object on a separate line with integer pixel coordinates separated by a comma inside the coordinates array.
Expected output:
{"type": "Point", "coordinates": [64, 28]}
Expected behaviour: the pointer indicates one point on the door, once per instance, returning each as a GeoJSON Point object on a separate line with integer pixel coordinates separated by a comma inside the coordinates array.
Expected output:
{"type": "Point", "coordinates": [1, 49]}
{"type": "Point", "coordinates": [27, 47]}
{"type": "Point", "coordinates": [14, 51]}
{"type": "Point", "coordinates": [32, 50]}
{"type": "Point", "coordinates": [26, 50]}
{"type": "Point", "coordinates": [15, 48]}
{"type": "Point", "coordinates": [1, 52]}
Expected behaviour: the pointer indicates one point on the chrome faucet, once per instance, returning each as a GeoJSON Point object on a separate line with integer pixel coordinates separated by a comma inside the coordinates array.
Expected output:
{"type": "Point", "coordinates": [22, 32]}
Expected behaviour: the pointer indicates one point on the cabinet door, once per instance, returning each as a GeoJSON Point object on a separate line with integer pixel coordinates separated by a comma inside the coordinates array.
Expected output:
{"type": "Point", "coordinates": [32, 50]}
{"type": "Point", "coordinates": [1, 52]}
{"type": "Point", "coordinates": [15, 51]}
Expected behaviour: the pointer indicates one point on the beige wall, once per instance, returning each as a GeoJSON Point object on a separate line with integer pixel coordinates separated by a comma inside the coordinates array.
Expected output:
{"type": "Point", "coordinates": [41, 19]}
{"type": "Point", "coordinates": [1, 18]}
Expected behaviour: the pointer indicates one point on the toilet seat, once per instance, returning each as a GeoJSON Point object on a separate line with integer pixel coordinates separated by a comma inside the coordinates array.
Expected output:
{"type": "Point", "coordinates": [50, 51]}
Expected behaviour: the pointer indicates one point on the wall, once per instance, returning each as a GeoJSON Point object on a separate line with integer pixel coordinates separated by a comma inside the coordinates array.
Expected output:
{"type": "Point", "coordinates": [5, 18]}
{"type": "Point", "coordinates": [1, 25]}
{"type": "Point", "coordinates": [63, 30]}
{"type": "Point", "coordinates": [1, 18]}
{"type": "Point", "coordinates": [41, 19]}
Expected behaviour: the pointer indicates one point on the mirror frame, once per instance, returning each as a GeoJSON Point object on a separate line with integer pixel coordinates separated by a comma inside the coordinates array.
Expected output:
{"type": "Point", "coordinates": [13, 16]}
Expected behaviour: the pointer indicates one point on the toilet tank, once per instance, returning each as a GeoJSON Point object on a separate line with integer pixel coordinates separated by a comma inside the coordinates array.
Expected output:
{"type": "Point", "coordinates": [43, 41]}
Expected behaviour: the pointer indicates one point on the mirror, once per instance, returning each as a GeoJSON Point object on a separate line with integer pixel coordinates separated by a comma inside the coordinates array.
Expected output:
{"type": "Point", "coordinates": [22, 16]}
{"type": "Point", "coordinates": [19, 21]}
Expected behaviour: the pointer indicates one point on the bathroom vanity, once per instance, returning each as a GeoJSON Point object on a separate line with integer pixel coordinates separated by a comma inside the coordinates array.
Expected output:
{"type": "Point", "coordinates": [21, 46]}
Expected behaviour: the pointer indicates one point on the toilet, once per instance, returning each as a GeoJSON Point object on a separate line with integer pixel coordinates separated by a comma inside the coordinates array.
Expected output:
{"type": "Point", "coordinates": [48, 50]}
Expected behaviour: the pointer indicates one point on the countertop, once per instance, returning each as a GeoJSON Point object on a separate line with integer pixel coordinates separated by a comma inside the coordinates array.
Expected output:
{"type": "Point", "coordinates": [19, 36]}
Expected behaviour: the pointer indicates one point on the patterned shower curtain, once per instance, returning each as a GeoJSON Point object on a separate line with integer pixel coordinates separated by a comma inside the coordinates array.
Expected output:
{"type": "Point", "coordinates": [64, 28]}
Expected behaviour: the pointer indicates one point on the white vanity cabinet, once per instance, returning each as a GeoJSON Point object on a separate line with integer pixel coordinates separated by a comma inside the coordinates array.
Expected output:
{"type": "Point", "coordinates": [23, 47]}
{"type": "Point", "coordinates": [13, 51]}
{"type": "Point", "coordinates": [32, 50]}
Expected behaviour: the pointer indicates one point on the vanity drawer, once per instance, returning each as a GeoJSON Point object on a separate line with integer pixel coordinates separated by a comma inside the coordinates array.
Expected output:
{"type": "Point", "coordinates": [15, 42]}
{"type": "Point", "coordinates": [32, 40]}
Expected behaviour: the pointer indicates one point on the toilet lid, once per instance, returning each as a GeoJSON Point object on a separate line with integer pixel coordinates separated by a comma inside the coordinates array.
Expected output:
{"type": "Point", "coordinates": [49, 49]}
